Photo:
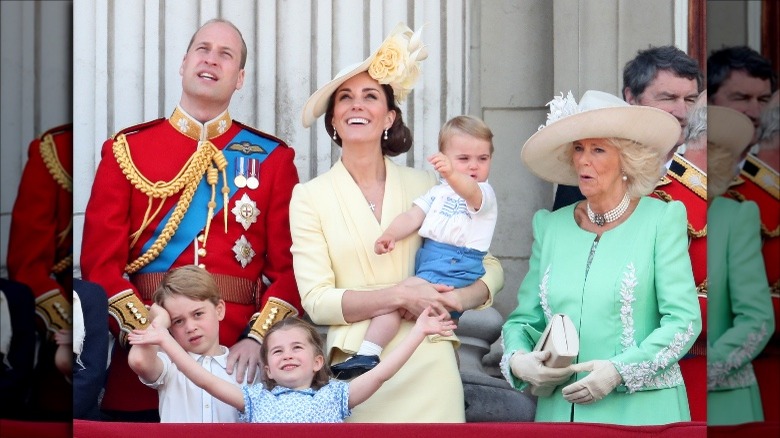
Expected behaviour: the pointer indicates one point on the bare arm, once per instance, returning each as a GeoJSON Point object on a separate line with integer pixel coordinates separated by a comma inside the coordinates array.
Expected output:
{"type": "Point", "coordinates": [409, 294]}
{"type": "Point", "coordinates": [402, 227]}
{"type": "Point", "coordinates": [367, 384]}
{"type": "Point", "coordinates": [143, 359]}
{"type": "Point", "coordinates": [465, 186]}
{"type": "Point", "coordinates": [221, 389]}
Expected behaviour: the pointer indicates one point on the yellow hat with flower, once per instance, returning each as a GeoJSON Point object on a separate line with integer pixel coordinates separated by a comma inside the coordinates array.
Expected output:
{"type": "Point", "coordinates": [396, 63]}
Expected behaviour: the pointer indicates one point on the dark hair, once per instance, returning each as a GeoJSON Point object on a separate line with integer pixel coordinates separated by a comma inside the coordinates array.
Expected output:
{"type": "Point", "coordinates": [222, 20]}
{"type": "Point", "coordinates": [640, 71]}
{"type": "Point", "coordinates": [722, 62]}
{"type": "Point", "coordinates": [321, 377]}
{"type": "Point", "coordinates": [399, 137]}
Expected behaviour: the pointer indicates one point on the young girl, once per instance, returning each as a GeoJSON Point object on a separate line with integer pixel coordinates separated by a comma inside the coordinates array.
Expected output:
{"type": "Point", "coordinates": [297, 386]}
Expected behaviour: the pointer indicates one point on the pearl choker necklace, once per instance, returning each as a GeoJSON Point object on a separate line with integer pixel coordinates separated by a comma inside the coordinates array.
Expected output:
{"type": "Point", "coordinates": [610, 216]}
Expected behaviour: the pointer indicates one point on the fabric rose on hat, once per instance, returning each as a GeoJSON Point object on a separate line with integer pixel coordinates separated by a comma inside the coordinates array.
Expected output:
{"type": "Point", "coordinates": [396, 62]}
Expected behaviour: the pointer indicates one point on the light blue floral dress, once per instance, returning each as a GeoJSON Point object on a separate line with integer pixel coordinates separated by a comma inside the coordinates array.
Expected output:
{"type": "Point", "coordinates": [329, 404]}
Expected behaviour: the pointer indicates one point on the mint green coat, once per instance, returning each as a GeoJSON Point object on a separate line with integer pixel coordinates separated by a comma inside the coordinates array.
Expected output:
{"type": "Point", "coordinates": [740, 318]}
{"type": "Point", "coordinates": [636, 307]}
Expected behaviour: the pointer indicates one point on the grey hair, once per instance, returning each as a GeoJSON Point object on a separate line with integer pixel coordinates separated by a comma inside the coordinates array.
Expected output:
{"type": "Point", "coordinates": [770, 123]}
{"type": "Point", "coordinates": [697, 122]}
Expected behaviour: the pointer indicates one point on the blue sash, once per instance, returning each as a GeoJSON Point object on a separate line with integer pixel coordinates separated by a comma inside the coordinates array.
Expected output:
{"type": "Point", "coordinates": [194, 219]}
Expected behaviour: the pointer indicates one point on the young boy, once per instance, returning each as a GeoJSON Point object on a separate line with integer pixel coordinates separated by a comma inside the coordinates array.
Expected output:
{"type": "Point", "coordinates": [456, 218]}
{"type": "Point", "coordinates": [193, 312]}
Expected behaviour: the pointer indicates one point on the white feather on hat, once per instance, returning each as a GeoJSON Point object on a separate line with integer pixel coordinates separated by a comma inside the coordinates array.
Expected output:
{"type": "Point", "coordinates": [598, 115]}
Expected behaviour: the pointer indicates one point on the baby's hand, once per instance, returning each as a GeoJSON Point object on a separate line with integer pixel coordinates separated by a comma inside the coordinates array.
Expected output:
{"type": "Point", "coordinates": [159, 316]}
{"type": "Point", "coordinates": [431, 324]}
{"type": "Point", "coordinates": [384, 244]}
{"type": "Point", "coordinates": [442, 164]}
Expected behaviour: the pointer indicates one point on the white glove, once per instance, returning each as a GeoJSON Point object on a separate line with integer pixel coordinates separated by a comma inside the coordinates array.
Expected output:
{"type": "Point", "coordinates": [529, 368]}
{"type": "Point", "coordinates": [603, 378]}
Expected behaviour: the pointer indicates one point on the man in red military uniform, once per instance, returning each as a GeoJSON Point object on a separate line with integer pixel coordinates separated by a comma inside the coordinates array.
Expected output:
{"type": "Point", "coordinates": [196, 188]}
{"type": "Point", "coordinates": [40, 255]}
{"type": "Point", "coordinates": [667, 78]}
{"type": "Point", "coordinates": [741, 79]}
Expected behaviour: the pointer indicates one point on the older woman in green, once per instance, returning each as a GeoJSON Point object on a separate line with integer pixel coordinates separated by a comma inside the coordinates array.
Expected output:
{"type": "Point", "coordinates": [740, 320]}
{"type": "Point", "coordinates": [616, 263]}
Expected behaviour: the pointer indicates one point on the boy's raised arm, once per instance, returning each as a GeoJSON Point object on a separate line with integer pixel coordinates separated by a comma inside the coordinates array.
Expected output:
{"type": "Point", "coordinates": [159, 336]}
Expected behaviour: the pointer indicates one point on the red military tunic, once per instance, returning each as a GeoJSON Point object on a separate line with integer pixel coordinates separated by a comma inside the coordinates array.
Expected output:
{"type": "Point", "coordinates": [687, 183]}
{"type": "Point", "coordinates": [759, 183]}
{"type": "Point", "coordinates": [155, 166]}
{"type": "Point", "coordinates": [40, 250]}
{"type": "Point", "coordinates": [40, 245]}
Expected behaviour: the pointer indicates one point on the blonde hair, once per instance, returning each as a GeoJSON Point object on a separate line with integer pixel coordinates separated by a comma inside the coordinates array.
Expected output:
{"type": "Point", "coordinates": [643, 166]}
{"type": "Point", "coordinates": [323, 375]}
{"type": "Point", "coordinates": [189, 281]}
{"type": "Point", "coordinates": [468, 125]}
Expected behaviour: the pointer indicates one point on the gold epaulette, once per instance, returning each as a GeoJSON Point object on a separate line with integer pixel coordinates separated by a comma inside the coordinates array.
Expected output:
{"type": "Point", "coordinates": [129, 312]}
{"type": "Point", "coordinates": [51, 159]}
{"type": "Point", "coordinates": [690, 176]}
{"type": "Point", "coordinates": [274, 310]}
{"type": "Point", "coordinates": [762, 175]}
{"type": "Point", "coordinates": [55, 311]}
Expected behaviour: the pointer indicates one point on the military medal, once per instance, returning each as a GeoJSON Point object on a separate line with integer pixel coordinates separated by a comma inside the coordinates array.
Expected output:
{"type": "Point", "coordinates": [246, 211]}
{"type": "Point", "coordinates": [243, 251]}
{"type": "Point", "coordinates": [240, 179]}
{"type": "Point", "coordinates": [252, 181]}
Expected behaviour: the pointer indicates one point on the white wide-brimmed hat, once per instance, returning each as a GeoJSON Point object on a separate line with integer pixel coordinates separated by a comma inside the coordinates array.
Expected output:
{"type": "Point", "coordinates": [395, 63]}
{"type": "Point", "coordinates": [728, 128]}
{"type": "Point", "coordinates": [598, 115]}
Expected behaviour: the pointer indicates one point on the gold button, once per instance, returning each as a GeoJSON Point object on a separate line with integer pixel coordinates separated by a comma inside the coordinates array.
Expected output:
{"type": "Point", "coordinates": [130, 305]}
{"type": "Point", "coordinates": [143, 320]}
{"type": "Point", "coordinates": [200, 238]}
{"type": "Point", "coordinates": [202, 266]}
{"type": "Point", "coordinates": [202, 252]}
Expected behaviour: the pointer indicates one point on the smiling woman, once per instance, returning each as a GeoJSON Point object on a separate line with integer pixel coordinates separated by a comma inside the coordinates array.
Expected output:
{"type": "Point", "coordinates": [342, 282]}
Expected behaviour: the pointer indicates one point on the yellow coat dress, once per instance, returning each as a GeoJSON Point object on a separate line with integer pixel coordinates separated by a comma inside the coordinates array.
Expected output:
{"type": "Point", "coordinates": [333, 231]}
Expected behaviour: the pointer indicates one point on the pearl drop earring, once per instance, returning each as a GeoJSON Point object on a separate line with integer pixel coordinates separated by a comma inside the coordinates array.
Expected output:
{"type": "Point", "coordinates": [335, 137]}
{"type": "Point", "coordinates": [385, 133]}
{"type": "Point", "coordinates": [625, 178]}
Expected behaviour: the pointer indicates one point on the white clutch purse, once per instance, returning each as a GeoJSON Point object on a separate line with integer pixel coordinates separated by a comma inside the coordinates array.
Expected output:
{"type": "Point", "coordinates": [560, 338]}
